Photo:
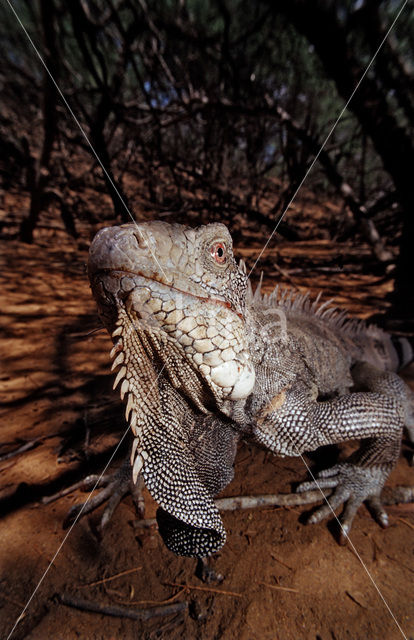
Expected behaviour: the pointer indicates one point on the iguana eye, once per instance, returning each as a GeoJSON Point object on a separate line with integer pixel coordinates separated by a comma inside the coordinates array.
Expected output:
{"type": "Point", "coordinates": [218, 252]}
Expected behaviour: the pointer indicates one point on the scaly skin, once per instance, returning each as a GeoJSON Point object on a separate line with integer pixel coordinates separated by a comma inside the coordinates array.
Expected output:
{"type": "Point", "coordinates": [170, 307]}
{"type": "Point", "coordinates": [204, 362]}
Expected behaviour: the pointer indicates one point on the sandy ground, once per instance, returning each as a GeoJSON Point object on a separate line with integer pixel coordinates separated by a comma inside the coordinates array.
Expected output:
{"type": "Point", "coordinates": [283, 579]}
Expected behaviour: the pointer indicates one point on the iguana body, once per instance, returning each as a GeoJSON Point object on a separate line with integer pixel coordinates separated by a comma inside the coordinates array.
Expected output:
{"type": "Point", "coordinates": [203, 362]}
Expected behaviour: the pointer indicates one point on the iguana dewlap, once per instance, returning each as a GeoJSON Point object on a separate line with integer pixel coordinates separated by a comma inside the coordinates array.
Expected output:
{"type": "Point", "coordinates": [201, 362]}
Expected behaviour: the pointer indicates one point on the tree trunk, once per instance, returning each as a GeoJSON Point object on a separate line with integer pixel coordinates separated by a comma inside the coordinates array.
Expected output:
{"type": "Point", "coordinates": [40, 175]}
{"type": "Point", "coordinates": [318, 22]}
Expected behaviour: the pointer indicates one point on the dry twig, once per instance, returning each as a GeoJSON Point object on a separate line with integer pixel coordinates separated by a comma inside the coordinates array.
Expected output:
{"type": "Point", "coordinates": [117, 575]}
{"type": "Point", "coordinates": [25, 447]}
{"type": "Point", "coordinates": [160, 602]}
{"type": "Point", "coordinates": [278, 587]}
{"type": "Point", "coordinates": [406, 522]}
{"type": "Point", "coordinates": [209, 589]}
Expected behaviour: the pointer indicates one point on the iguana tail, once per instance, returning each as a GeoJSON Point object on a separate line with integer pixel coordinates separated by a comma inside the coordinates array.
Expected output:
{"type": "Point", "coordinates": [380, 349]}
{"type": "Point", "coordinates": [404, 350]}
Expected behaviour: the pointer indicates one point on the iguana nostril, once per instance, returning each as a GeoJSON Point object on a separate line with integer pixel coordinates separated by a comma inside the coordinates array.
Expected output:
{"type": "Point", "coordinates": [140, 239]}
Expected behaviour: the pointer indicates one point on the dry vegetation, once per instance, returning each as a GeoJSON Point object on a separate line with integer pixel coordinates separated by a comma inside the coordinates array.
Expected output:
{"type": "Point", "coordinates": [282, 579]}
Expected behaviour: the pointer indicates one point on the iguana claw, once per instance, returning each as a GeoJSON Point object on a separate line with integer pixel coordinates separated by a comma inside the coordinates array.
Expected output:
{"type": "Point", "coordinates": [115, 487]}
{"type": "Point", "coordinates": [206, 573]}
{"type": "Point", "coordinates": [352, 485]}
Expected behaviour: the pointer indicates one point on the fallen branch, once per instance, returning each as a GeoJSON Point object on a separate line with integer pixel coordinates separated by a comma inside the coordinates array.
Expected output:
{"type": "Point", "coordinates": [12, 601]}
{"type": "Point", "coordinates": [281, 562]}
{"type": "Point", "coordinates": [251, 502]}
{"type": "Point", "coordinates": [25, 447]}
{"type": "Point", "coordinates": [271, 500]}
{"type": "Point", "coordinates": [121, 612]}
{"type": "Point", "coordinates": [354, 599]}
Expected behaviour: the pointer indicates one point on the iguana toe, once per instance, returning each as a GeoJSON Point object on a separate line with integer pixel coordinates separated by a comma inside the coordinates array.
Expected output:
{"type": "Point", "coordinates": [115, 487]}
{"type": "Point", "coordinates": [352, 486]}
{"type": "Point", "coordinates": [206, 573]}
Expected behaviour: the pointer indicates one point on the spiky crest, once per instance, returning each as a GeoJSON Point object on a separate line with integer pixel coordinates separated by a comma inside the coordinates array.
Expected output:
{"type": "Point", "coordinates": [297, 303]}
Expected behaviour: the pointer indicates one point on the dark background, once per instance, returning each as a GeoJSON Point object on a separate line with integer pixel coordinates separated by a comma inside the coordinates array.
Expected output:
{"type": "Point", "coordinates": [204, 110]}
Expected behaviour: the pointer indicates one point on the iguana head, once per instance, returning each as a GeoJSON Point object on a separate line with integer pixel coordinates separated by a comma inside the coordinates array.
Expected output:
{"type": "Point", "coordinates": [185, 283]}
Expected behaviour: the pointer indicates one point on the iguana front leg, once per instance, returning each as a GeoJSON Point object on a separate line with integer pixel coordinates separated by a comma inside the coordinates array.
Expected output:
{"type": "Point", "coordinates": [294, 422]}
{"type": "Point", "coordinates": [368, 378]}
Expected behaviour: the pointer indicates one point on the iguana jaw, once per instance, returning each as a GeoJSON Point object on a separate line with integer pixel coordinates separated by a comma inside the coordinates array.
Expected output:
{"type": "Point", "coordinates": [208, 333]}
{"type": "Point", "coordinates": [127, 273]}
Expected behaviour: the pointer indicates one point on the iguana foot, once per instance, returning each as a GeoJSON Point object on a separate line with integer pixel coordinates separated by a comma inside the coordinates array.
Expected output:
{"type": "Point", "coordinates": [115, 487]}
{"type": "Point", "coordinates": [205, 573]}
{"type": "Point", "coordinates": [351, 485]}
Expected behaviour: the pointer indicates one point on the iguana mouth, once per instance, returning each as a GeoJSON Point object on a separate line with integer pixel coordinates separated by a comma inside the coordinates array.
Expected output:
{"type": "Point", "coordinates": [153, 278]}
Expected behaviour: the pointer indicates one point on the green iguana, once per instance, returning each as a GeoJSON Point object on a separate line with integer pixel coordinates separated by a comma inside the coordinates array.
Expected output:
{"type": "Point", "coordinates": [202, 362]}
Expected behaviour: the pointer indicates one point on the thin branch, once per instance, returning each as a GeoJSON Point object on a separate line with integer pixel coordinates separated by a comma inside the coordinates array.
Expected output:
{"type": "Point", "coordinates": [207, 589]}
